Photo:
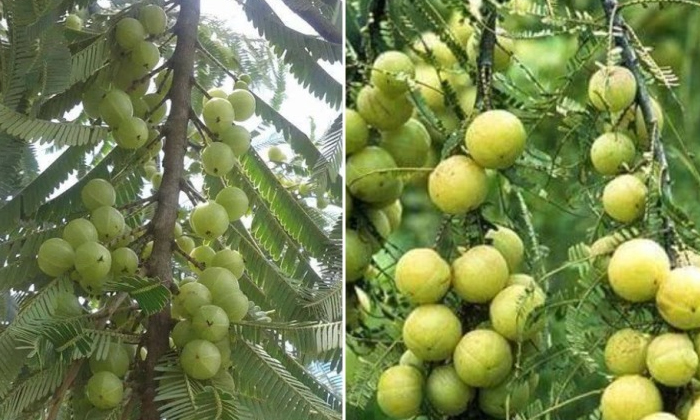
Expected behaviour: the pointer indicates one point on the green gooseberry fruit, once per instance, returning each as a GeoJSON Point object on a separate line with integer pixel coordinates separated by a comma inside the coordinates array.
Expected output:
{"type": "Point", "coordinates": [68, 305]}
{"type": "Point", "coordinates": [153, 19]}
{"type": "Point", "coordinates": [624, 198]}
{"type": "Point", "coordinates": [156, 180]}
{"type": "Point", "coordinates": [237, 138]}
{"type": "Point", "coordinates": [243, 103]}
{"type": "Point", "coordinates": [509, 244]}
{"type": "Point", "coordinates": [210, 322]}
{"type": "Point", "coordinates": [209, 220]}
{"type": "Point", "coordinates": [116, 107]}
{"type": "Point", "coordinates": [132, 133]}
{"type": "Point", "coordinates": [192, 296]}
{"type": "Point", "coordinates": [92, 261]}
{"type": "Point", "coordinates": [678, 298]}
{"type": "Point", "coordinates": [214, 93]}
{"type": "Point", "coordinates": [612, 152]}
{"type": "Point", "coordinates": [183, 333]}
{"type": "Point", "coordinates": [630, 397]}
{"type": "Point", "coordinates": [457, 185]}
{"type": "Point", "coordinates": [98, 193]}
{"type": "Point", "coordinates": [391, 71]}
{"type": "Point", "coordinates": [481, 262]}
{"type": "Point", "coordinates": [431, 332]}
{"type": "Point", "coordinates": [229, 259]}
{"type": "Point", "coordinates": [612, 88]}
{"type": "Point", "coordinates": [185, 243]}
{"type": "Point", "coordinates": [245, 78]}
{"type": "Point", "coordinates": [105, 390]}
{"type": "Point", "coordinates": [124, 261]}
{"type": "Point", "coordinates": [410, 359]}
{"type": "Point", "coordinates": [73, 22]}
{"type": "Point", "coordinates": [129, 33]}
{"type": "Point", "coordinates": [156, 115]}
{"type": "Point", "coordinates": [217, 159]}
{"type": "Point", "coordinates": [115, 360]}
{"type": "Point", "coordinates": [220, 282]}
{"type": "Point", "coordinates": [203, 254]}
{"type": "Point", "coordinates": [512, 312]}
{"type": "Point", "coordinates": [356, 131]}
{"type": "Point", "coordinates": [276, 155]}
{"type": "Point", "coordinates": [145, 56]}
{"type": "Point", "coordinates": [235, 305]}
{"type": "Point", "coordinates": [234, 200]}
{"type": "Point", "coordinates": [140, 107]}
{"type": "Point", "coordinates": [200, 359]}
{"type": "Point", "coordinates": [78, 231]}
{"type": "Point", "coordinates": [483, 358]}
{"type": "Point", "coordinates": [108, 221]}
{"type": "Point", "coordinates": [92, 98]}
{"type": "Point", "coordinates": [423, 276]}
{"type": "Point", "coordinates": [505, 399]}
{"type": "Point", "coordinates": [408, 144]}
{"type": "Point", "coordinates": [640, 124]}
{"type": "Point", "coordinates": [626, 352]}
{"type": "Point", "coordinates": [495, 139]}
{"type": "Point", "coordinates": [637, 268]}
{"type": "Point", "coordinates": [55, 257]}
{"type": "Point", "coordinates": [358, 255]}
{"type": "Point", "coordinates": [382, 111]}
{"type": "Point", "coordinates": [367, 176]}
{"type": "Point", "coordinates": [218, 114]}
{"type": "Point", "coordinates": [400, 392]}
{"type": "Point", "coordinates": [446, 391]}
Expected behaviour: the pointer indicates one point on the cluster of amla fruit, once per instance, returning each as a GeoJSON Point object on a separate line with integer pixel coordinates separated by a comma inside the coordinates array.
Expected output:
{"type": "Point", "coordinates": [92, 253]}
{"type": "Point", "coordinates": [225, 140]}
{"type": "Point", "coordinates": [119, 95]}
{"type": "Point", "coordinates": [459, 366]}
{"type": "Point", "coordinates": [613, 89]}
{"type": "Point", "coordinates": [639, 271]}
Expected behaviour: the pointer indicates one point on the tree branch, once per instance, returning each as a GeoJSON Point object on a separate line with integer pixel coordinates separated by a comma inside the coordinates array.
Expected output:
{"type": "Point", "coordinates": [643, 100]}
{"type": "Point", "coordinates": [160, 263]}
{"type": "Point", "coordinates": [484, 71]}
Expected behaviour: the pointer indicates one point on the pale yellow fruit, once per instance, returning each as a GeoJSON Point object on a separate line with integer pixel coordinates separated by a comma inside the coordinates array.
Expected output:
{"type": "Point", "coordinates": [382, 111]}
{"type": "Point", "coordinates": [521, 279]}
{"type": "Point", "coordinates": [356, 131]}
{"type": "Point", "coordinates": [431, 332]}
{"type": "Point", "coordinates": [483, 358]}
{"type": "Point", "coordinates": [672, 360]}
{"type": "Point", "coordinates": [457, 185]}
{"type": "Point", "coordinates": [446, 391]}
{"type": "Point", "coordinates": [443, 54]}
{"type": "Point", "coordinates": [408, 144]}
{"type": "Point", "coordinates": [624, 198]}
{"type": "Point", "coordinates": [660, 416]}
{"type": "Point", "coordinates": [514, 312]}
{"type": "Point", "coordinates": [637, 269]}
{"type": "Point", "coordinates": [640, 123]}
{"type": "Point", "coordinates": [358, 255]}
{"type": "Point", "coordinates": [393, 212]}
{"type": "Point", "coordinates": [400, 392]}
{"type": "Point", "coordinates": [626, 352]}
{"type": "Point", "coordinates": [678, 298]}
{"type": "Point", "coordinates": [423, 276]}
{"type": "Point", "coordinates": [369, 177]}
{"type": "Point", "coordinates": [428, 83]}
{"type": "Point", "coordinates": [612, 88]}
{"type": "Point", "coordinates": [509, 244]}
{"type": "Point", "coordinates": [612, 152]}
{"type": "Point", "coordinates": [410, 359]}
{"type": "Point", "coordinates": [511, 393]}
{"type": "Point", "coordinates": [495, 139]}
{"type": "Point", "coordinates": [391, 71]}
{"type": "Point", "coordinates": [479, 274]}
{"type": "Point", "coordinates": [694, 413]}
{"type": "Point", "coordinates": [630, 397]}
{"type": "Point", "coordinates": [460, 27]}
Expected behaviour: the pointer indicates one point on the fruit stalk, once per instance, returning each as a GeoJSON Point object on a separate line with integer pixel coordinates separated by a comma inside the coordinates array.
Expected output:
{"type": "Point", "coordinates": [643, 100]}
{"type": "Point", "coordinates": [160, 263]}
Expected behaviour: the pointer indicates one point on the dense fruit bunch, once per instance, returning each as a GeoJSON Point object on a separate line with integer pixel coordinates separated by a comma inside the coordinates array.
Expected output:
{"type": "Point", "coordinates": [443, 363]}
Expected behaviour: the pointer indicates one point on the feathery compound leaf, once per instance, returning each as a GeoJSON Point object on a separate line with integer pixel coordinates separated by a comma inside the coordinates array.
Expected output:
{"type": "Point", "coordinates": [151, 295]}
{"type": "Point", "coordinates": [327, 167]}
{"type": "Point", "coordinates": [60, 134]}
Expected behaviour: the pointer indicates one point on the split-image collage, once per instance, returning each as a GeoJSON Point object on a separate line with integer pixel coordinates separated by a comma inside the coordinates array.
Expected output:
{"type": "Point", "coordinates": [349, 209]}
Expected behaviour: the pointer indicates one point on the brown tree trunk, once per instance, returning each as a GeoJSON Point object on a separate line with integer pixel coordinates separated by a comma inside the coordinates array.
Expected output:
{"type": "Point", "coordinates": [160, 262]}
